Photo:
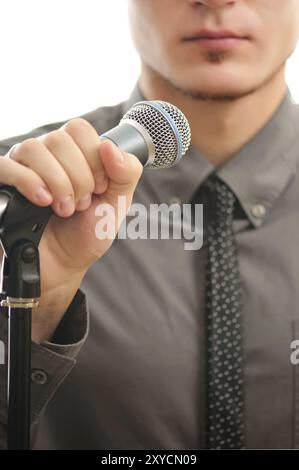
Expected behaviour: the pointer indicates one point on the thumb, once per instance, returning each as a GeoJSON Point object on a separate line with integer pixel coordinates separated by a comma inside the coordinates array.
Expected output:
{"type": "Point", "coordinates": [123, 171]}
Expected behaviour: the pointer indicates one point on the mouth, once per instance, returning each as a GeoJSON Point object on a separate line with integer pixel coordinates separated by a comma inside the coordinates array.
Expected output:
{"type": "Point", "coordinates": [216, 40]}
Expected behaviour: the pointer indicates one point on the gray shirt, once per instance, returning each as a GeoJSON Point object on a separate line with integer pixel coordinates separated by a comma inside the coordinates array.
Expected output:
{"type": "Point", "coordinates": [138, 381]}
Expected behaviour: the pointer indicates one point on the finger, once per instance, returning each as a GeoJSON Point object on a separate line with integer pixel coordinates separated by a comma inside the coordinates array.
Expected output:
{"type": "Point", "coordinates": [87, 139]}
{"type": "Point", "coordinates": [123, 171]}
{"type": "Point", "coordinates": [33, 154]}
{"type": "Point", "coordinates": [26, 181]}
{"type": "Point", "coordinates": [74, 162]}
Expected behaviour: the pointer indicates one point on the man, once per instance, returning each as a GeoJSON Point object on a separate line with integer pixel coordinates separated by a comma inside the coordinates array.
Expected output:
{"type": "Point", "coordinates": [148, 373]}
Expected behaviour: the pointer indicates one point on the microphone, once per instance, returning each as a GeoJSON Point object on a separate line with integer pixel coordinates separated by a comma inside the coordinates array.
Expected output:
{"type": "Point", "coordinates": [156, 132]}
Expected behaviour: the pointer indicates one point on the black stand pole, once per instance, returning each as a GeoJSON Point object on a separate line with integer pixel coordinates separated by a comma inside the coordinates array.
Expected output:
{"type": "Point", "coordinates": [21, 227]}
{"type": "Point", "coordinates": [23, 280]}
{"type": "Point", "coordinates": [18, 436]}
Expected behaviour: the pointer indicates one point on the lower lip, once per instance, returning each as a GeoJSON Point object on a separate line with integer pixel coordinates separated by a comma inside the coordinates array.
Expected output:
{"type": "Point", "coordinates": [218, 44]}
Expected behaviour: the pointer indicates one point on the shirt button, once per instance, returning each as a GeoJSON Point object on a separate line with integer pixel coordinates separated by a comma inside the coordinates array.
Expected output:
{"type": "Point", "coordinates": [39, 376]}
{"type": "Point", "coordinates": [258, 211]}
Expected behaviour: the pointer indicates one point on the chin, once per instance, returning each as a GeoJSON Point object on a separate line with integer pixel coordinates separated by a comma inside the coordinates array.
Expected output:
{"type": "Point", "coordinates": [220, 92]}
{"type": "Point", "coordinates": [216, 83]}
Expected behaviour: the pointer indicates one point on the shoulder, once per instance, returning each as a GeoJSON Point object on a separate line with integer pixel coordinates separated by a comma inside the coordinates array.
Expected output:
{"type": "Point", "coordinates": [102, 119]}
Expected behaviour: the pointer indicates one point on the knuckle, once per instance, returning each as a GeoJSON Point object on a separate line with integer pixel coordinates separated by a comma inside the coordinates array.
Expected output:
{"type": "Point", "coordinates": [27, 146]}
{"type": "Point", "coordinates": [77, 126]}
{"type": "Point", "coordinates": [54, 138]}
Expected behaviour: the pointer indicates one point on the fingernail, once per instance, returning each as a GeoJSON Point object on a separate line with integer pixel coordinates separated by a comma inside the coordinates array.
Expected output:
{"type": "Point", "coordinates": [84, 202]}
{"type": "Point", "coordinates": [43, 195]}
{"type": "Point", "coordinates": [67, 205]}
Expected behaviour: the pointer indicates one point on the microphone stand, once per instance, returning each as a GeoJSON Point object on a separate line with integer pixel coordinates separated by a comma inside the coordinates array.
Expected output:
{"type": "Point", "coordinates": [21, 227]}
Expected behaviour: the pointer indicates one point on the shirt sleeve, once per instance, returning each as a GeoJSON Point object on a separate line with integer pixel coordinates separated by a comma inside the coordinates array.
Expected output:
{"type": "Point", "coordinates": [51, 361]}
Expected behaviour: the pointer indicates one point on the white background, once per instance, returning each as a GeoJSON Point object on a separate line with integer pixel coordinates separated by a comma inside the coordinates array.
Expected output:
{"type": "Point", "coordinates": [62, 58]}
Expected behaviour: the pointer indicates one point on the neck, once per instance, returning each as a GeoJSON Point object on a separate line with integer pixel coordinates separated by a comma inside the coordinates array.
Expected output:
{"type": "Point", "coordinates": [219, 128]}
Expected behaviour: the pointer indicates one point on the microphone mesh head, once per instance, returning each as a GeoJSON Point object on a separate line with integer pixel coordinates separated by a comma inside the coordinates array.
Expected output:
{"type": "Point", "coordinates": [168, 128]}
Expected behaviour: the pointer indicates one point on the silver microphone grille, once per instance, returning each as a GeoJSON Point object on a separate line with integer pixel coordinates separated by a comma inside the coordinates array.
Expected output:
{"type": "Point", "coordinates": [167, 127]}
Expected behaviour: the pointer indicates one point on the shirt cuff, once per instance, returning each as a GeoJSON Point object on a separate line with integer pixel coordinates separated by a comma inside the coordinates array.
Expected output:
{"type": "Point", "coordinates": [53, 360]}
{"type": "Point", "coordinates": [73, 329]}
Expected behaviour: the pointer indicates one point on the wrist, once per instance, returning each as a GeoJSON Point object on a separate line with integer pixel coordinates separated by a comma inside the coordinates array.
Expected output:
{"type": "Point", "coordinates": [53, 304]}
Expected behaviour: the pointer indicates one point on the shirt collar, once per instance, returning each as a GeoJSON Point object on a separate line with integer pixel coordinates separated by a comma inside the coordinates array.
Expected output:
{"type": "Point", "coordinates": [262, 169]}
{"type": "Point", "coordinates": [257, 174]}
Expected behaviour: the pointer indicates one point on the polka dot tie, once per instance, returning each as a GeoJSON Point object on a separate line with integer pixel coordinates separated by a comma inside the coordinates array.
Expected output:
{"type": "Point", "coordinates": [223, 320]}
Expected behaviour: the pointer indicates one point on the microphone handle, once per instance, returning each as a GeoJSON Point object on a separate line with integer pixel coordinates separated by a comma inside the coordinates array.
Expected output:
{"type": "Point", "coordinates": [20, 219]}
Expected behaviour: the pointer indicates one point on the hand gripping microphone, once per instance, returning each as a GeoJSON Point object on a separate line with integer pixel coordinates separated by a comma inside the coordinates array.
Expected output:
{"type": "Point", "coordinates": [156, 132]}
{"type": "Point", "coordinates": [159, 135]}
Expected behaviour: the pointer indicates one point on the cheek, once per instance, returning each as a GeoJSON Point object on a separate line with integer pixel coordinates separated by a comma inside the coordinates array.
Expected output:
{"type": "Point", "coordinates": [276, 48]}
{"type": "Point", "coordinates": [278, 29]}
{"type": "Point", "coordinates": [159, 50]}
{"type": "Point", "coordinates": [150, 38]}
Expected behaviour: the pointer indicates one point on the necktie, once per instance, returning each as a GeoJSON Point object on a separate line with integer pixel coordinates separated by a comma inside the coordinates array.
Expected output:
{"type": "Point", "coordinates": [223, 320]}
